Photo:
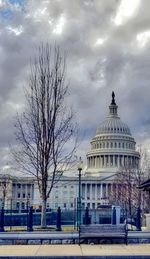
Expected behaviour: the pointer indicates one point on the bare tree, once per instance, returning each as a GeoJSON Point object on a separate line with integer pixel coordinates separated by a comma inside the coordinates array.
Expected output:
{"type": "Point", "coordinates": [5, 183]}
{"type": "Point", "coordinates": [46, 129]}
{"type": "Point", "coordinates": [125, 192]}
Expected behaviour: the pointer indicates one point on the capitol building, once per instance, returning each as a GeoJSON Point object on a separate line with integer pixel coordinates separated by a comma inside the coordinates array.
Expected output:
{"type": "Point", "coordinates": [112, 148]}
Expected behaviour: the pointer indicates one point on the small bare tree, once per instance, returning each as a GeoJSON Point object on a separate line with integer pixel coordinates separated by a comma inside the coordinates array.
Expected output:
{"type": "Point", "coordinates": [46, 129]}
{"type": "Point", "coordinates": [125, 192]}
{"type": "Point", "coordinates": [5, 182]}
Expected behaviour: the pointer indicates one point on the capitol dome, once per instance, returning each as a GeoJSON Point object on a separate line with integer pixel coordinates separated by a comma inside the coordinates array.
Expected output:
{"type": "Point", "coordinates": [113, 146]}
{"type": "Point", "coordinates": [113, 125]}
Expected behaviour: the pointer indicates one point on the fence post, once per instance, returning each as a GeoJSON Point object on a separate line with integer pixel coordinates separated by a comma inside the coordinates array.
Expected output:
{"type": "Point", "coordinates": [138, 219]}
{"type": "Point", "coordinates": [113, 216]}
{"type": "Point", "coordinates": [30, 220]}
{"type": "Point", "coordinates": [87, 220]}
{"type": "Point", "coordinates": [2, 220]}
{"type": "Point", "coordinates": [58, 220]}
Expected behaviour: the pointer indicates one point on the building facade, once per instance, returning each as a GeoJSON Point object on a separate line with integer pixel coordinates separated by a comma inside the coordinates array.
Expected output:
{"type": "Point", "coordinates": [112, 148]}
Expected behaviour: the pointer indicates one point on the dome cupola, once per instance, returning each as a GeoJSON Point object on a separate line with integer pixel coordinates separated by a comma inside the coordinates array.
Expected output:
{"type": "Point", "coordinates": [112, 123]}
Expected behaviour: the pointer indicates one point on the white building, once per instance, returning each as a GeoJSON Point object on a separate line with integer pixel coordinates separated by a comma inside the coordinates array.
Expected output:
{"type": "Point", "coordinates": [111, 148]}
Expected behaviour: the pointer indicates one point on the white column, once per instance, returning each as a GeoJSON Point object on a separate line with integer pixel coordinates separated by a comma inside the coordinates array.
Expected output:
{"type": "Point", "coordinates": [104, 161]}
{"type": "Point", "coordinates": [109, 160]}
{"type": "Point", "coordinates": [106, 190]}
{"type": "Point", "coordinates": [95, 161]}
{"type": "Point", "coordinates": [96, 191]}
{"type": "Point", "coordinates": [118, 161]}
{"type": "Point", "coordinates": [122, 160]}
{"type": "Point", "coordinates": [85, 191]}
{"type": "Point", "coordinates": [101, 194]}
{"type": "Point", "coordinates": [90, 191]}
{"type": "Point", "coordinates": [113, 160]}
{"type": "Point", "coordinates": [100, 161]}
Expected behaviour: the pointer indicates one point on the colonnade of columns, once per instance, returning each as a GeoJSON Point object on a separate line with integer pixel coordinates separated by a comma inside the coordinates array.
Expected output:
{"type": "Point", "coordinates": [95, 191]}
{"type": "Point", "coordinates": [22, 192]}
{"type": "Point", "coordinates": [111, 161]}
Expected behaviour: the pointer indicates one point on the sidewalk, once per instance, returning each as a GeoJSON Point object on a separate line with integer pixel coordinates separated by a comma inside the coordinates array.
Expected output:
{"type": "Point", "coordinates": [77, 251]}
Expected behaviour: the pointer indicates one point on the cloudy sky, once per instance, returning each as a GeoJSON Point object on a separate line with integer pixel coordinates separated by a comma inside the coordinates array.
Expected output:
{"type": "Point", "coordinates": [108, 46]}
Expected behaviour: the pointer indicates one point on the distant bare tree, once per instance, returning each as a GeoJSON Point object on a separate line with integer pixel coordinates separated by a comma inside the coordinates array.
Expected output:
{"type": "Point", "coordinates": [5, 181]}
{"type": "Point", "coordinates": [46, 129]}
{"type": "Point", "coordinates": [125, 192]}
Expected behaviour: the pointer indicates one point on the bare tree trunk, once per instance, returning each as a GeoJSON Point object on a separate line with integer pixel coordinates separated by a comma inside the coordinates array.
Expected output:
{"type": "Point", "coordinates": [43, 214]}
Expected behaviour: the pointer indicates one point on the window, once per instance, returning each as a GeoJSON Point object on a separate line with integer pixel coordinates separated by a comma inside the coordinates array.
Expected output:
{"type": "Point", "coordinates": [22, 206]}
{"type": "Point", "coordinates": [83, 205]}
{"type": "Point", "coordinates": [123, 145]}
{"type": "Point", "coordinates": [19, 186]}
{"type": "Point", "coordinates": [88, 205]}
{"type": "Point", "coordinates": [23, 195]}
{"type": "Point", "coordinates": [119, 145]}
{"type": "Point", "coordinates": [71, 205]}
{"type": "Point", "coordinates": [18, 195]}
{"type": "Point", "coordinates": [93, 205]}
{"type": "Point", "coordinates": [65, 205]}
{"type": "Point", "coordinates": [17, 205]}
{"type": "Point", "coordinates": [72, 186]}
{"type": "Point", "coordinates": [65, 186]}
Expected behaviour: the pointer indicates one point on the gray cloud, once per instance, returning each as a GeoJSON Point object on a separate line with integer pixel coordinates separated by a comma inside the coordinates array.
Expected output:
{"type": "Point", "coordinates": [102, 56]}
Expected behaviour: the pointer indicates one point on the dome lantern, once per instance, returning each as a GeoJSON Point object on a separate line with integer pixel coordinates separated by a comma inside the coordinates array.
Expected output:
{"type": "Point", "coordinates": [113, 107]}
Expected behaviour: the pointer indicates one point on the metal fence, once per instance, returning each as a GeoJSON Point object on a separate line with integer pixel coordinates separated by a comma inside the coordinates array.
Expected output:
{"type": "Point", "coordinates": [102, 215]}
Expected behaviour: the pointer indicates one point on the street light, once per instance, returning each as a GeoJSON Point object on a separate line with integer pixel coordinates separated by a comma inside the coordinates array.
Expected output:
{"type": "Point", "coordinates": [80, 167]}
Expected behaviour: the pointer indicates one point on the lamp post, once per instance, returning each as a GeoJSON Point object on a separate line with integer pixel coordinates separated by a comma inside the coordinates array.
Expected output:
{"type": "Point", "coordinates": [80, 165]}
